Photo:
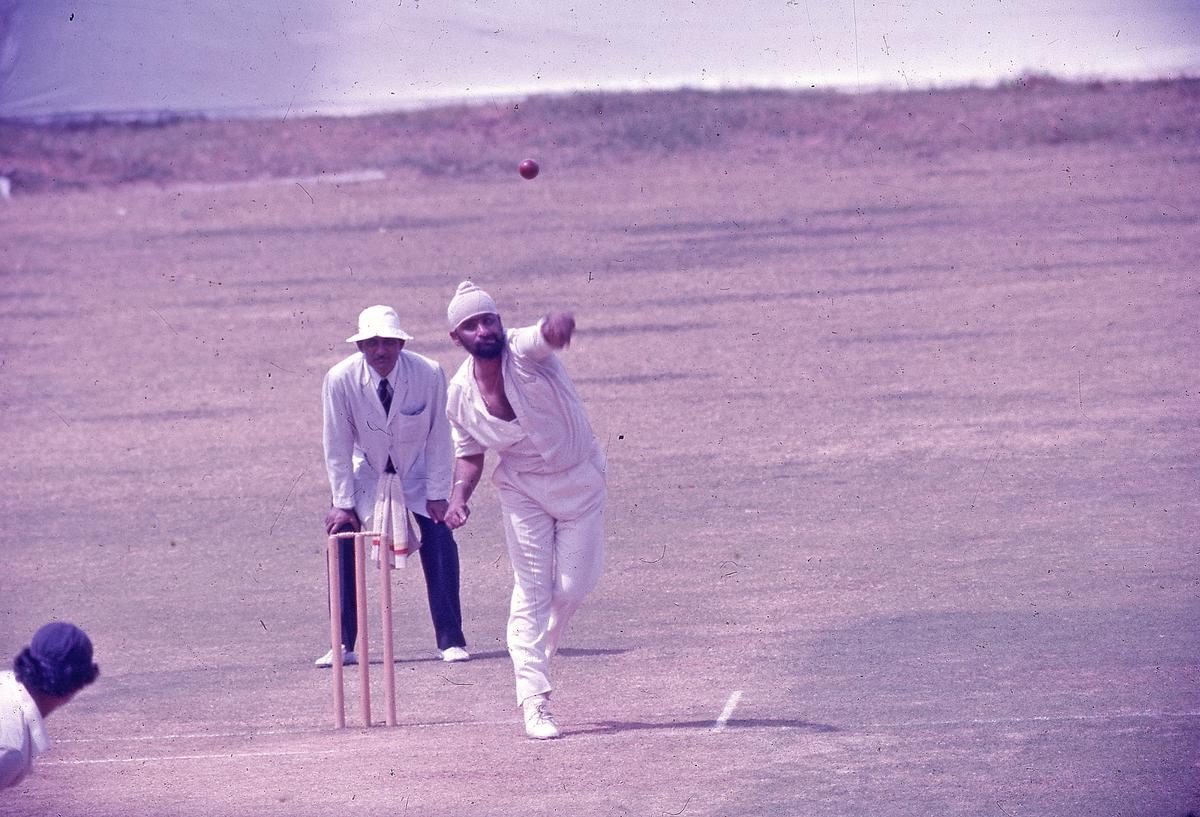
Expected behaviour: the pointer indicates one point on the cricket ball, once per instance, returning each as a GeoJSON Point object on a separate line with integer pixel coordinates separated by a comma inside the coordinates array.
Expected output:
{"type": "Point", "coordinates": [528, 169]}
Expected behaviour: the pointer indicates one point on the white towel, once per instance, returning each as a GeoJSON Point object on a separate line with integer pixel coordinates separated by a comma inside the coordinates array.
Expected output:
{"type": "Point", "coordinates": [392, 522]}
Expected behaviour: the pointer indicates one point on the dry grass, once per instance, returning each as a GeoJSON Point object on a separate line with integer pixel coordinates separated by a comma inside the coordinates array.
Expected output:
{"type": "Point", "coordinates": [900, 415]}
{"type": "Point", "coordinates": [601, 129]}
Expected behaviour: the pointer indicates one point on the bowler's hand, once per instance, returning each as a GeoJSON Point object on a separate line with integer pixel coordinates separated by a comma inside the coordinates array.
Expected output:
{"type": "Point", "coordinates": [557, 328]}
{"type": "Point", "coordinates": [456, 516]}
{"type": "Point", "coordinates": [436, 509]}
{"type": "Point", "coordinates": [339, 518]}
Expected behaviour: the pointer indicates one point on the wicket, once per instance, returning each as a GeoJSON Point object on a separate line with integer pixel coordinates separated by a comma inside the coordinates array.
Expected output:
{"type": "Point", "coordinates": [335, 627]}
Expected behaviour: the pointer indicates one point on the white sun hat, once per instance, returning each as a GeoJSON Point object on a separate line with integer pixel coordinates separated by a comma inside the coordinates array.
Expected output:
{"type": "Point", "coordinates": [378, 322]}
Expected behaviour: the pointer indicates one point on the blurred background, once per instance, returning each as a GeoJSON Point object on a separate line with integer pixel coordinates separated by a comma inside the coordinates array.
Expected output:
{"type": "Point", "coordinates": [142, 58]}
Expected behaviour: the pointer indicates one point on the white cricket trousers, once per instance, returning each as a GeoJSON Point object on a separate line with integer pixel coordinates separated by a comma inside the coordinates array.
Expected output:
{"type": "Point", "coordinates": [554, 525]}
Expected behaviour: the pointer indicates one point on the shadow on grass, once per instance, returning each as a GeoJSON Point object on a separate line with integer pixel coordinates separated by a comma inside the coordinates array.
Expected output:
{"type": "Point", "coordinates": [570, 651]}
{"type": "Point", "coordinates": [612, 727]}
{"type": "Point", "coordinates": [565, 652]}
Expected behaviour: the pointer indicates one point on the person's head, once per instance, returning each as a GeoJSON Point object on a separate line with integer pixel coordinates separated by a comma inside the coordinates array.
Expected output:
{"type": "Point", "coordinates": [380, 337]}
{"type": "Point", "coordinates": [56, 665]}
{"type": "Point", "coordinates": [475, 322]}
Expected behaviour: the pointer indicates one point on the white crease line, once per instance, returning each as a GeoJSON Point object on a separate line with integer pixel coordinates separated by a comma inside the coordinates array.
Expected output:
{"type": "Point", "coordinates": [1108, 716]}
{"type": "Point", "coordinates": [311, 730]}
{"type": "Point", "coordinates": [719, 726]}
{"type": "Point", "coordinates": [216, 756]}
{"type": "Point", "coordinates": [192, 736]}
{"type": "Point", "coordinates": [730, 705]}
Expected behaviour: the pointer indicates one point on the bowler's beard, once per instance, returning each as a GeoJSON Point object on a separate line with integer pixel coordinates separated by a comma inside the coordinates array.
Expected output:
{"type": "Point", "coordinates": [489, 349]}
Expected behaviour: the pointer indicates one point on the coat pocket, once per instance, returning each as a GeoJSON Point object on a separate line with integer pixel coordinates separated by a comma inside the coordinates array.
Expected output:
{"type": "Point", "coordinates": [410, 428]}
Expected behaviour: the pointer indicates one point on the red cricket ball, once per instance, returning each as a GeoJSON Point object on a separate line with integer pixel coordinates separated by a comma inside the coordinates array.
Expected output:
{"type": "Point", "coordinates": [528, 168]}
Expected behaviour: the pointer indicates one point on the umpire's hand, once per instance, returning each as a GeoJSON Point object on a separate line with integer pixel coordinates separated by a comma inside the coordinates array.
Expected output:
{"type": "Point", "coordinates": [338, 518]}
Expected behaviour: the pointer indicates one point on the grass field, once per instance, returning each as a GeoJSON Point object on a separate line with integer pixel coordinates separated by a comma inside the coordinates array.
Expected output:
{"type": "Point", "coordinates": [901, 426]}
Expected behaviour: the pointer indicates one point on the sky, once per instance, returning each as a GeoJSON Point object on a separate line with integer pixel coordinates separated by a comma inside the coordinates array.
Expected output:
{"type": "Point", "coordinates": [320, 56]}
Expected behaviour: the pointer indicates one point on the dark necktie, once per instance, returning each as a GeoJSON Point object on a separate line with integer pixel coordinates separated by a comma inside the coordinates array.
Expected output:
{"type": "Point", "coordinates": [385, 397]}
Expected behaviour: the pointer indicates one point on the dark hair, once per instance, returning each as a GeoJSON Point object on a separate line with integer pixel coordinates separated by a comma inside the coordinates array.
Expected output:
{"type": "Point", "coordinates": [58, 660]}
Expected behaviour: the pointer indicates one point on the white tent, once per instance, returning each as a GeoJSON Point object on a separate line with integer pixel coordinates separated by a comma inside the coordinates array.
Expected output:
{"type": "Point", "coordinates": [138, 58]}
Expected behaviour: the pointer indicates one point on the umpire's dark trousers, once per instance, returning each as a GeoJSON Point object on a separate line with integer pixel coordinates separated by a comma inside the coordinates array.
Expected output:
{"type": "Point", "coordinates": [439, 562]}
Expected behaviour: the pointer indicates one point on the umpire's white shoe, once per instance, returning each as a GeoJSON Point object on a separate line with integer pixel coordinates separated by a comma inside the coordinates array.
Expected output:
{"type": "Point", "coordinates": [348, 657]}
{"type": "Point", "coordinates": [452, 654]}
{"type": "Point", "coordinates": [539, 723]}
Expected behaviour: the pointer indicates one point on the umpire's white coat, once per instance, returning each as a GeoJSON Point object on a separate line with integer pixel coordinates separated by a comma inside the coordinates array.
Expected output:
{"type": "Point", "coordinates": [359, 438]}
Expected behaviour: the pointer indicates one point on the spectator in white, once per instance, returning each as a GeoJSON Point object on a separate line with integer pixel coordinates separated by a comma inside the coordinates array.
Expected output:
{"type": "Point", "coordinates": [387, 452]}
{"type": "Point", "coordinates": [45, 675]}
{"type": "Point", "coordinates": [513, 396]}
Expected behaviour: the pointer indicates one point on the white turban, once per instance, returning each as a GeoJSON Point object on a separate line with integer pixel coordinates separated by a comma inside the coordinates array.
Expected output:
{"type": "Point", "coordinates": [469, 301]}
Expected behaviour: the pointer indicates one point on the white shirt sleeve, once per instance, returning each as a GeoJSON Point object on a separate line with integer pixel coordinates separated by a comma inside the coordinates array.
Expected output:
{"type": "Point", "coordinates": [338, 439]}
{"type": "Point", "coordinates": [464, 444]}
{"type": "Point", "coordinates": [16, 750]}
{"type": "Point", "coordinates": [528, 341]}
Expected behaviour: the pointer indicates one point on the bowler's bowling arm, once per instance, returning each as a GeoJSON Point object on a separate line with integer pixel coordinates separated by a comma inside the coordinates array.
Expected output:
{"type": "Point", "coordinates": [467, 471]}
{"type": "Point", "coordinates": [557, 328]}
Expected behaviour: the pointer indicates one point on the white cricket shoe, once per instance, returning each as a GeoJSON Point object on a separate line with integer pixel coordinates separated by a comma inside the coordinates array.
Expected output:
{"type": "Point", "coordinates": [539, 723]}
{"type": "Point", "coordinates": [452, 654]}
{"type": "Point", "coordinates": [348, 657]}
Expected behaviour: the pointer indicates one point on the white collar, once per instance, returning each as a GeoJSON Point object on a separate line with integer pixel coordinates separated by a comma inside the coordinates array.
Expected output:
{"type": "Point", "coordinates": [374, 377]}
